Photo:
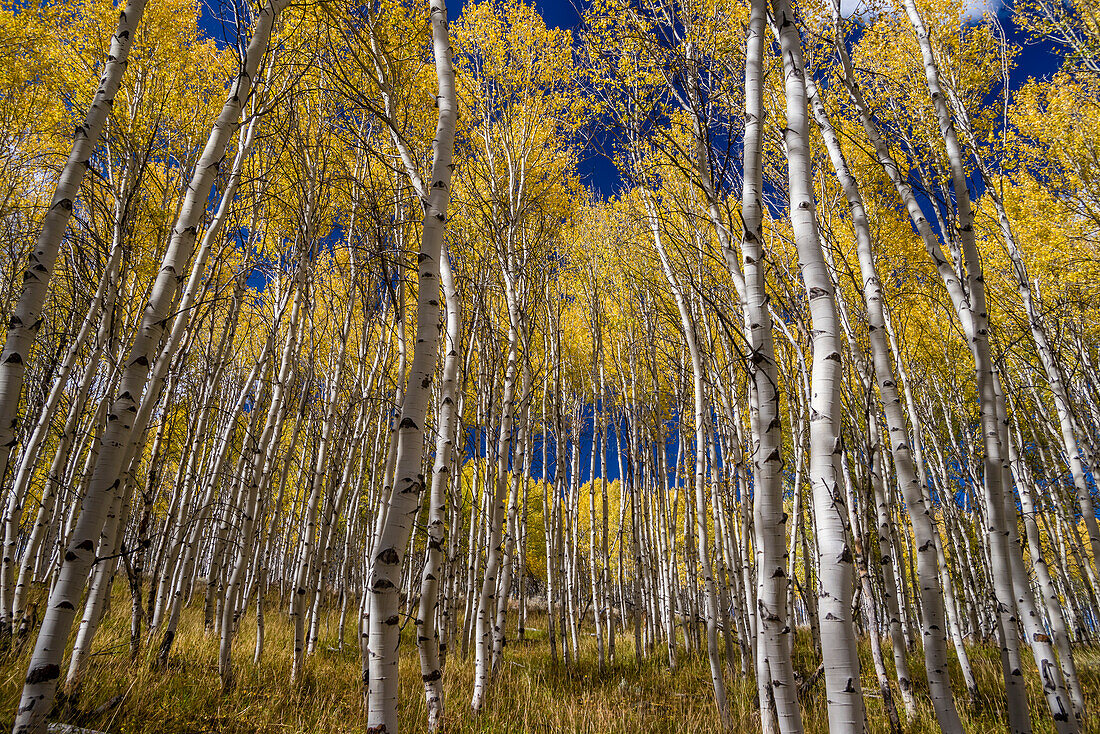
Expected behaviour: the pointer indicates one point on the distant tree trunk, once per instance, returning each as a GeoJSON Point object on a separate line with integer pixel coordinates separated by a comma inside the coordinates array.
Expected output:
{"type": "Point", "coordinates": [258, 469]}
{"type": "Point", "coordinates": [701, 416]}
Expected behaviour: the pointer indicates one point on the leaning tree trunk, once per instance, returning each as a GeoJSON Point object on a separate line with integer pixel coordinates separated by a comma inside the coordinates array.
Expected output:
{"type": "Point", "coordinates": [1012, 591]}
{"type": "Point", "coordinates": [103, 300]}
{"type": "Point", "coordinates": [1062, 404]}
{"type": "Point", "coordinates": [924, 529]}
{"type": "Point", "coordinates": [26, 317]}
{"type": "Point", "coordinates": [45, 664]}
{"type": "Point", "coordinates": [1019, 718]}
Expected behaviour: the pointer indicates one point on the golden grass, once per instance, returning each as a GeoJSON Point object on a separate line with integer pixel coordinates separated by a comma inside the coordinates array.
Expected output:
{"type": "Point", "coordinates": [532, 694]}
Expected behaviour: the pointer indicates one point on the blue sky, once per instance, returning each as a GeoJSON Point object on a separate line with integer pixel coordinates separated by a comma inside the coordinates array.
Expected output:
{"type": "Point", "coordinates": [558, 13]}
{"type": "Point", "coordinates": [599, 174]}
{"type": "Point", "coordinates": [1035, 60]}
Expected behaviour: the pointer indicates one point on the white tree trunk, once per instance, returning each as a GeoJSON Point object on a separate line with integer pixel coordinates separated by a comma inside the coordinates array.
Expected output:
{"type": "Point", "coordinates": [389, 549]}
{"type": "Point", "coordinates": [841, 660]}
{"type": "Point", "coordinates": [26, 317]}
{"type": "Point", "coordinates": [44, 669]}
{"type": "Point", "coordinates": [431, 670]}
{"type": "Point", "coordinates": [775, 672]}
{"type": "Point", "coordinates": [925, 532]}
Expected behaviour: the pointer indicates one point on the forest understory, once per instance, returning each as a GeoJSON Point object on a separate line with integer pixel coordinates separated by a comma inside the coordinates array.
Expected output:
{"type": "Point", "coordinates": [534, 692]}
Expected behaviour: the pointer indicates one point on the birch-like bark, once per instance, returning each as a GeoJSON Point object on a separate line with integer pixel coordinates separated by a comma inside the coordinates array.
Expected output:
{"type": "Point", "coordinates": [1019, 718]}
{"type": "Point", "coordinates": [494, 503]}
{"type": "Point", "coordinates": [44, 669]}
{"type": "Point", "coordinates": [56, 475]}
{"type": "Point", "coordinates": [701, 416]}
{"type": "Point", "coordinates": [1007, 563]}
{"type": "Point", "coordinates": [390, 546]}
{"type": "Point", "coordinates": [103, 300]}
{"type": "Point", "coordinates": [1025, 483]}
{"type": "Point", "coordinates": [1063, 407]}
{"type": "Point", "coordinates": [431, 671]}
{"type": "Point", "coordinates": [841, 660]}
{"type": "Point", "coordinates": [934, 630]}
{"type": "Point", "coordinates": [26, 318]}
{"type": "Point", "coordinates": [775, 672]}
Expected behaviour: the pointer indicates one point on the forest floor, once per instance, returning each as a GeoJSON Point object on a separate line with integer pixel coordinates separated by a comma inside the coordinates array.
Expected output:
{"type": "Point", "coordinates": [532, 693]}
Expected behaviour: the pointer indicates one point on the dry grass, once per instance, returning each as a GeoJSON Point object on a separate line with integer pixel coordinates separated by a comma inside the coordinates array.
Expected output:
{"type": "Point", "coordinates": [531, 694]}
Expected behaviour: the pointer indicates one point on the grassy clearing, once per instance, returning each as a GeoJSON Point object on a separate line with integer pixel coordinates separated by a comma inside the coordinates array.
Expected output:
{"type": "Point", "coordinates": [532, 694]}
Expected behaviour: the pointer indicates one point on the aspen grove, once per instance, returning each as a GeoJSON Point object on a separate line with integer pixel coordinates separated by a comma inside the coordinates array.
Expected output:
{"type": "Point", "coordinates": [704, 365]}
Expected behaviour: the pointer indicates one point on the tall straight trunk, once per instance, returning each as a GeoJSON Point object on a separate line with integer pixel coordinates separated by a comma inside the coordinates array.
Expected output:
{"type": "Point", "coordinates": [769, 519]}
{"type": "Point", "coordinates": [934, 636]}
{"type": "Point", "coordinates": [520, 471]}
{"type": "Point", "coordinates": [549, 506]}
{"type": "Point", "coordinates": [841, 660]}
{"type": "Point", "coordinates": [431, 671]}
{"type": "Point", "coordinates": [495, 496]}
{"type": "Point", "coordinates": [393, 536]}
{"type": "Point", "coordinates": [609, 607]}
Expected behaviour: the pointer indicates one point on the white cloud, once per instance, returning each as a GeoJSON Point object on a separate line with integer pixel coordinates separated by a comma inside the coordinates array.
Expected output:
{"type": "Point", "coordinates": [972, 13]}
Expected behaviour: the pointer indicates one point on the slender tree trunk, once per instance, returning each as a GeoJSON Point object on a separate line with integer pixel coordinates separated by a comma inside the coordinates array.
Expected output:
{"type": "Point", "coordinates": [44, 669]}
{"type": "Point", "coordinates": [431, 669]}
{"type": "Point", "coordinates": [934, 632]}
{"type": "Point", "coordinates": [26, 318]}
{"type": "Point", "coordinates": [389, 548]}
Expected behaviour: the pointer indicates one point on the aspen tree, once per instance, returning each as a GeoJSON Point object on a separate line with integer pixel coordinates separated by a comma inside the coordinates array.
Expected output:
{"type": "Point", "coordinates": [701, 415]}
{"type": "Point", "coordinates": [835, 604]}
{"type": "Point", "coordinates": [1067, 432]}
{"type": "Point", "coordinates": [44, 668]}
{"type": "Point", "coordinates": [775, 673]}
{"type": "Point", "coordinates": [26, 317]}
{"type": "Point", "coordinates": [390, 544]}
{"type": "Point", "coordinates": [427, 634]}
{"type": "Point", "coordinates": [1005, 559]}
{"type": "Point", "coordinates": [103, 299]}
{"type": "Point", "coordinates": [934, 637]}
